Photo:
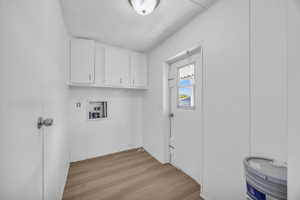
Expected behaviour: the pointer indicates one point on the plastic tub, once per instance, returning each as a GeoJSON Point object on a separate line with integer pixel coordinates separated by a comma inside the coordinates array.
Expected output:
{"type": "Point", "coordinates": [266, 179]}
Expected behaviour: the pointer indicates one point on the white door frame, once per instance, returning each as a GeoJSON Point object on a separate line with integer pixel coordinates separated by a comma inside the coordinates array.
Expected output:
{"type": "Point", "coordinates": [181, 56]}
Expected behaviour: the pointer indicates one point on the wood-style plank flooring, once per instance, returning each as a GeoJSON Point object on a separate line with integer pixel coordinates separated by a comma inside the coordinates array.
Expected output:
{"type": "Point", "coordinates": [129, 175]}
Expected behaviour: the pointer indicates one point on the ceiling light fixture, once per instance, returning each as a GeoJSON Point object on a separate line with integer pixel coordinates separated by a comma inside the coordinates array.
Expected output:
{"type": "Point", "coordinates": [144, 7]}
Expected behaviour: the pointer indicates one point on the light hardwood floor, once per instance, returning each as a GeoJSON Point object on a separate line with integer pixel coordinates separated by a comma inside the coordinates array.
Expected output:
{"type": "Point", "coordinates": [129, 175]}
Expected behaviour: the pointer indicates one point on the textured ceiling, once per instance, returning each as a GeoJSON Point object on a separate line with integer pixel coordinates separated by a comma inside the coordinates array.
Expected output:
{"type": "Point", "coordinates": [115, 22]}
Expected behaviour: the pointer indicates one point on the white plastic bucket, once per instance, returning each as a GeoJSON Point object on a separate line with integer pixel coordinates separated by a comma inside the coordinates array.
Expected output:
{"type": "Point", "coordinates": [266, 179]}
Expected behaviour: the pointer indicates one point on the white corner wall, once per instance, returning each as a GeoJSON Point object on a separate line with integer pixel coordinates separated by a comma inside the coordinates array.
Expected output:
{"type": "Point", "coordinates": [56, 59]}
{"type": "Point", "coordinates": [121, 131]}
{"type": "Point", "coordinates": [245, 101]}
{"type": "Point", "coordinates": [294, 99]}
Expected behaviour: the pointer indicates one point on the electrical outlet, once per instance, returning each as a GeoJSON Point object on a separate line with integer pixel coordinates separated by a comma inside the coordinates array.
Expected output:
{"type": "Point", "coordinates": [78, 105]}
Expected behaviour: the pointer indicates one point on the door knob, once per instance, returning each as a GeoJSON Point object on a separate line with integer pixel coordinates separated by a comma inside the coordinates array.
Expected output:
{"type": "Point", "coordinates": [171, 115]}
{"type": "Point", "coordinates": [44, 122]}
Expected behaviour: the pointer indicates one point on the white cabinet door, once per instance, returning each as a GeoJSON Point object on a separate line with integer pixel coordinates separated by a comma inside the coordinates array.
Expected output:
{"type": "Point", "coordinates": [117, 66]}
{"type": "Point", "coordinates": [139, 70]}
{"type": "Point", "coordinates": [99, 65]}
{"type": "Point", "coordinates": [82, 61]}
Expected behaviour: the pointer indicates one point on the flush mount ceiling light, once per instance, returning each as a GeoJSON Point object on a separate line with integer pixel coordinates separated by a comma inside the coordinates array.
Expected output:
{"type": "Point", "coordinates": [144, 7]}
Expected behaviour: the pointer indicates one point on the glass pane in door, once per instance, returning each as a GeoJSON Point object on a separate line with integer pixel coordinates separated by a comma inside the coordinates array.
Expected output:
{"type": "Point", "coordinates": [186, 96]}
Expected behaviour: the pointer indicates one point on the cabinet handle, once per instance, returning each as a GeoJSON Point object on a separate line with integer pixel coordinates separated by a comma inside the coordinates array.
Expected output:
{"type": "Point", "coordinates": [90, 77]}
{"type": "Point", "coordinates": [121, 80]}
{"type": "Point", "coordinates": [133, 82]}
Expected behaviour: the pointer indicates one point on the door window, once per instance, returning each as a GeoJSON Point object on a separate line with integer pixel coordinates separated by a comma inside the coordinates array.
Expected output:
{"type": "Point", "coordinates": [186, 87]}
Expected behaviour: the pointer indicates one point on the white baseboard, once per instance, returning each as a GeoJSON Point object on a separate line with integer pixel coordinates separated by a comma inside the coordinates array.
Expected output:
{"type": "Point", "coordinates": [203, 197]}
{"type": "Point", "coordinates": [100, 154]}
{"type": "Point", "coordinates": [65, 180]}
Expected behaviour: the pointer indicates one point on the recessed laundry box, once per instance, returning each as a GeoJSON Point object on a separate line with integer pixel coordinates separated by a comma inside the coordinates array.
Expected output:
{"type": "Point", "coordinates": [266, 179]}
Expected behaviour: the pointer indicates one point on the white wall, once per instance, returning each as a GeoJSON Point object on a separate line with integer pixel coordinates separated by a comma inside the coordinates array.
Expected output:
{"type": "Point", "coordinates": [245, 90]}
{"type": "Point", "coordinates": [21, 38]}
{"type": "Point", "coordinates": [57, 148]}
{"type": "Point", "coordinates": [33, 57]}
{"type": "Point", "coordinates": [268, 79]}
{"type": "Point", "coordinates": [225, 38]}
{"type": "Point", "coordinates": [121, 131]}
{"type": "Point", "coordinates": [294, 99]}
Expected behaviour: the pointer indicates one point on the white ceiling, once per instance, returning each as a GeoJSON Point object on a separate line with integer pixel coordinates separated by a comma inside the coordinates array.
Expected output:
{"type": "Point", "coordinates": [115, 22]}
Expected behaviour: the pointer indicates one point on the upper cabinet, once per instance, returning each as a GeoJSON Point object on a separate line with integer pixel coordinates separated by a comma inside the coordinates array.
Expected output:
{"type": "Point", "coordinates": [98, 65]}
{"type": "Point", "coordinates": [82, 61]}
{"type": "Point", "coordinates": [139, 70]}
{"type": "Point", "coordinates": [117, 67]}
